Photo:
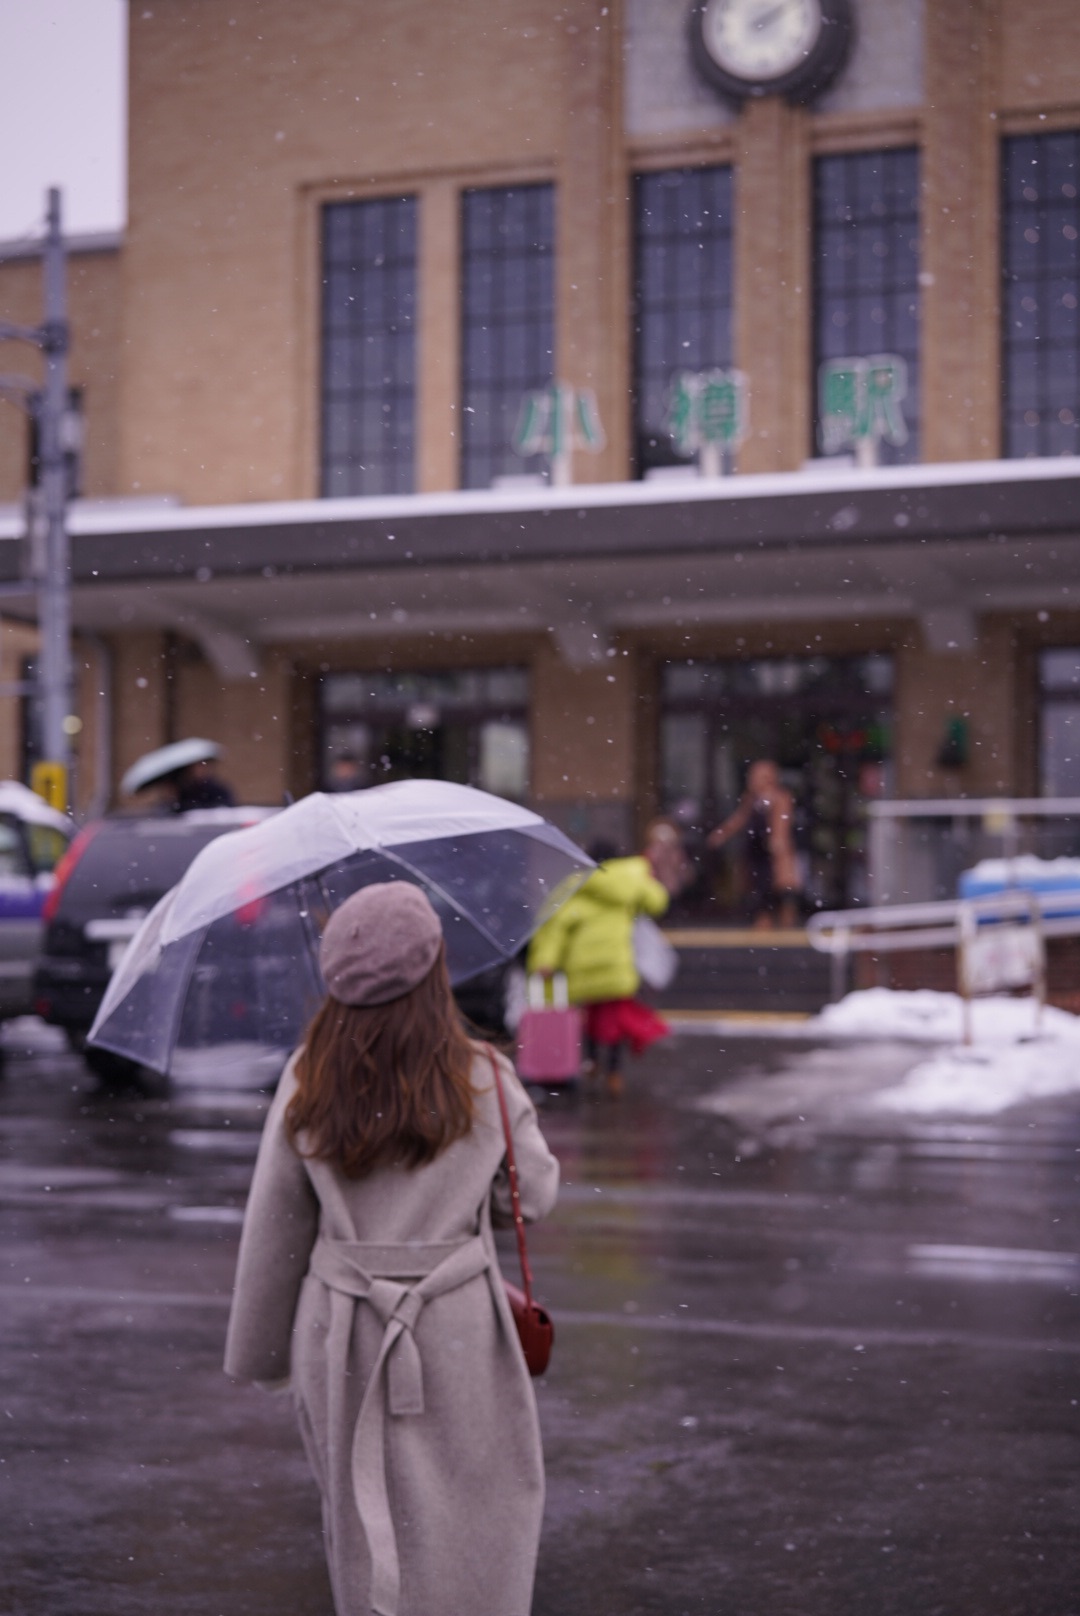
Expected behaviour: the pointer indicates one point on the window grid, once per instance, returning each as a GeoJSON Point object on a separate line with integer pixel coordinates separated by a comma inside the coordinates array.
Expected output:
{"type": "Point", "coordinates": [866, 270]}
{"type": "Point", "coordinates": [1059, 723]}
{"type": "Point", "coordinates": [508, 322]}
{"type": "Point", "coordinates": [682, 294]}
{"type": "Point", "coordinates": [1040, 294]}
{"type": "Point", "coordinates": [368, 347]}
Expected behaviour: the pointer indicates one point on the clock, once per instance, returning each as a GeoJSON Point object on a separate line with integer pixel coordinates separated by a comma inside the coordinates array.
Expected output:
{"type": "Point", "coordinates": [747, 48]}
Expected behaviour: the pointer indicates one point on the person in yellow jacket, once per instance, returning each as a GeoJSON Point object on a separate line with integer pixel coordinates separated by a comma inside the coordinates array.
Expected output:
{"type": "Point", "coordinates": [590, 939]}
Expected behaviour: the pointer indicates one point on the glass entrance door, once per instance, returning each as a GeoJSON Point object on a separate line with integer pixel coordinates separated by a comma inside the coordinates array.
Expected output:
{"type": "Point", "coordinates": [825, 721]}
{"type": "Point", "coordinates": [466, 725]}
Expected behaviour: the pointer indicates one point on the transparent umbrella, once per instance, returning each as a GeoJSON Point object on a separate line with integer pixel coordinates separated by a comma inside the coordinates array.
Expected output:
{"type": "Point", "coordinates": [223, 974]}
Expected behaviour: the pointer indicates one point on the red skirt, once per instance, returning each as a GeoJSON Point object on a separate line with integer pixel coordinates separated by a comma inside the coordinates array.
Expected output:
{"type": "Point", "coordinates": [617, 1021]}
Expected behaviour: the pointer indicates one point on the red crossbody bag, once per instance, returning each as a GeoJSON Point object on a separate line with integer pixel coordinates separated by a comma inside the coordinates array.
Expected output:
{"type": "Point", "coordinates": [534, 1327]}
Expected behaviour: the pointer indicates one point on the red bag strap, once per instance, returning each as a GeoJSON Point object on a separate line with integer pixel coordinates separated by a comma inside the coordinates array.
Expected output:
{"type": "Point", "coordinates": [511, 1167]}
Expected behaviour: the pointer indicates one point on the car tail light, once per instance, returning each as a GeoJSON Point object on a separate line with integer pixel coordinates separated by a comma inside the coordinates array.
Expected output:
{"type": "Point", "coordinates": [63, 872]}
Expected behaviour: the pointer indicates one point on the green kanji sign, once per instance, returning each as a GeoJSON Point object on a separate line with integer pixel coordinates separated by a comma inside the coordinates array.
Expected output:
{"type": "Point", "coordinates": [861, 402]}
{"type": "Point", "coordinates": [707, 410]}
{"type": "Point", "coordinates": [554, 421]}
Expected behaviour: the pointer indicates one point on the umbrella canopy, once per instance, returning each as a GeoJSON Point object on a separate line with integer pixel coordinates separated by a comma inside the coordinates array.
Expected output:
{"type": "Point", "coordinates": [155, 766]}
{"type": "Point", "coordinates": [224, 971]}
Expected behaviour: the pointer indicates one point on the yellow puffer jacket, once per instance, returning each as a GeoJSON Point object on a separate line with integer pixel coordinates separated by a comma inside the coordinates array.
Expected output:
{"type": "Point", "coordinates": [591, 937]}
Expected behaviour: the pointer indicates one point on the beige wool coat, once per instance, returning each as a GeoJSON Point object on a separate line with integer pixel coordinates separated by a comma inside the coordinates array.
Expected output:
{"type": "Point", "coordinates": [379, 1300]}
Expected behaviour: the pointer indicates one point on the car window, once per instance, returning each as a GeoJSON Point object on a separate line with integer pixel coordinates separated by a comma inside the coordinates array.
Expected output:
{"type": "Point", "coordinates": [129, 864]}
{"type": "Point", "coordinates": [13, 863]}
{"type": "Point", "coordinates": [47, 847]}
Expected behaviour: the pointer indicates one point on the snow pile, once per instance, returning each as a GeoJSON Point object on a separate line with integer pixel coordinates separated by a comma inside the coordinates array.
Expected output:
{"type": "Point", "coordinates": [926, 1017]}
{"type": "Point", "coordinates": [1007, 1065]}
{"type": "Point", "coordinates": [980, 1081]}
{"type": "Point", "coordinates": [1025, 870]}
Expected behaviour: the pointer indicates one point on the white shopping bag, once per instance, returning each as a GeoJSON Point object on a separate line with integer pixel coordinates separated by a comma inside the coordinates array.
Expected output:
{"type": "Point", "coordinates": [656, 960]}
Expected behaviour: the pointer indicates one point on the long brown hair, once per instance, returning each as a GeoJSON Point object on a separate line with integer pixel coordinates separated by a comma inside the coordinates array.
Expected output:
{"type": "Point", "coordinates": [384, 1083]}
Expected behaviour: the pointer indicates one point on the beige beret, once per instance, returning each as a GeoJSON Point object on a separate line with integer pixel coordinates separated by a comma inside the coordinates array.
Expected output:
{"type": "Point", "coordinates": [380, 943]}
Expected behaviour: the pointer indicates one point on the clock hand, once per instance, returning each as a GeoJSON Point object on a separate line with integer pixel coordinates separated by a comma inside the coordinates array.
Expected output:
{"type": "Point", "coordinates": [766, 18]}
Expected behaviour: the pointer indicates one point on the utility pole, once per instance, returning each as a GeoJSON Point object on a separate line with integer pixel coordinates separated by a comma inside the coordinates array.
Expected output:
{"type": "Point", "coordinates": [54, 600]}
{"type": "Point", "coordinates": [52, 578]}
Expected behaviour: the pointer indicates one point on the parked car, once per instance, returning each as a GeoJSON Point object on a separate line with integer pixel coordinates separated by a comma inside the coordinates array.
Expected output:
{"type": "Point", "coordinates": [111, 877]}
{"type": "Point", "coordinates": [33, 839]}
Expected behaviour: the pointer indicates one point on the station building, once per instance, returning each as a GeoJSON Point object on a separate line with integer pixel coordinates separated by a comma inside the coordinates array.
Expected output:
{"type": "Point", "coordinates": [360, 236]}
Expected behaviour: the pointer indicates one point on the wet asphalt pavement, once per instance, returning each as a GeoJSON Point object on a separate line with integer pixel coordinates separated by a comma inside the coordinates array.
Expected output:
{"type": "Point", "coordinates": [810, 1361]}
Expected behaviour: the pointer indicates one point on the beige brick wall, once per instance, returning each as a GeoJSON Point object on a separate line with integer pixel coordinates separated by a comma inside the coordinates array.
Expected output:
{"type": "Point", "coordinates": [592, 266]}
{"type": "Point", "coordinates": [583, 735]}
{"type": "Point", "coordinates": [249, 717]}
{"type": "Point", "coordinates": [242, 116]}
{"type": "Point", "coordinates": [959, 231]}
{"type": "Point", "coordinates": [1038, 56]}
{"type": "Point", "coordinates": [245, 117]}
{"type": "Point", "coordinates": [139, 701]}
{"type": "Point", "coordinates": [198, 345]}
{"type": "Point", "coordinates": [16, 642]}
{"type": "Point", "coordinates": [94, 301]}
{"type": "Point", "coordinates": [980, 687]}
{"type": "Point", "coordinates": [772, 282]}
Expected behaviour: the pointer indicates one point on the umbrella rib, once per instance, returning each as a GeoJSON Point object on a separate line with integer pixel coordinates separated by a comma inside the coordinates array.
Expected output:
{"type": "Point", "coordinates": [403, 864]}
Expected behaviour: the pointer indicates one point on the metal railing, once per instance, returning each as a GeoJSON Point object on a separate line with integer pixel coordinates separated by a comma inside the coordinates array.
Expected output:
{"type": "Point", "coordinates": [957, 923]}
{"type": "Point", "coordinates": [918, 849]}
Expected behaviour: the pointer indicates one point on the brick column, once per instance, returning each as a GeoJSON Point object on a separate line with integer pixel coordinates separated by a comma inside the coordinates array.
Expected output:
{"type": "Point", "coordinates": [772, 275]}
{"type": "Point", "coordinates": [139, 700]}
{"type": "Point", "coordinates": [438, 439]}
{"type": "Point", "coordinates": [980, 686]}
{"type": "Point", "coordinates": [960, 343]}
{"type": "Point", "coordinates": [592, 277]}
{"type": "Point", "coordinates": [583, 745]}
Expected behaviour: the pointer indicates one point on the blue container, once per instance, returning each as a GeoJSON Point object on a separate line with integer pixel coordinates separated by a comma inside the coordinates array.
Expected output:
{"type": "Point", "coordinates": [1024, 874]}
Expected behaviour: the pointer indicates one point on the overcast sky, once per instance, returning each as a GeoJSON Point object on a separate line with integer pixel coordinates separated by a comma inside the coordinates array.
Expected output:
{"type": "Point", "coordinates": [62, 113]}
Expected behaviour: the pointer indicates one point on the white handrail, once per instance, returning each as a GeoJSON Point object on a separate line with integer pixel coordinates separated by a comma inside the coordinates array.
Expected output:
{"type": "Point", "coordinates": [974, 807]}
{"type": "Point", "coordinates": [936, 925]}
{"type": "Point", "coordinates": [898, 927]}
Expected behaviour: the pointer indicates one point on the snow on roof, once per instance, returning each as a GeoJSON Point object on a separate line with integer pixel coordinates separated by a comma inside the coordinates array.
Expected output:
{"type": "Point", "coordinates": [89, 241]}
{"type": "Point", "coordinates": [108, 517]}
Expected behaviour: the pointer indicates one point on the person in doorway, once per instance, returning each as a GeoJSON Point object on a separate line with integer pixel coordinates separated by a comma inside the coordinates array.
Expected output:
{"type": "Point", "coordinates": [766, 816]}
{"type": "Point", "coordinates": [368, 1280]}
{"type": "Point", "coordinates": [590, 939]}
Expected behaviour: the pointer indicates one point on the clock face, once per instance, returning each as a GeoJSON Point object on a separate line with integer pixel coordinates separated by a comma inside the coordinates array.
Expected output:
{"type": "Point", "coordinates": [793, 48]}
{"type": "Point", "coordinates": [759, 40]}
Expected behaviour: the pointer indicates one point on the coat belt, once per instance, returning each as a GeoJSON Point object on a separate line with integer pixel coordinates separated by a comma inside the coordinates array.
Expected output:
{"type": "Point", "coordinates": [396, 1281]}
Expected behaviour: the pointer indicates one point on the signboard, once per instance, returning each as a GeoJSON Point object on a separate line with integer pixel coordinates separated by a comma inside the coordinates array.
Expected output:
{"type": "Point", "coordinates": [49, 780]}
{"type": "Point", "coordinates": [708, 415]}
{"type": "Point", "coordinates": [861, 404]}
{"type": "Point", "coordinates": [555, 421]}
{"type": "Point", "coordinates": [1001, 958]}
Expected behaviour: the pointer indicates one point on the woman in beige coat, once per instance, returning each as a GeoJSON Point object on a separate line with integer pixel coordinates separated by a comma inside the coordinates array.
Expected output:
{"type": "Point", "coordinates": [368, 1281]}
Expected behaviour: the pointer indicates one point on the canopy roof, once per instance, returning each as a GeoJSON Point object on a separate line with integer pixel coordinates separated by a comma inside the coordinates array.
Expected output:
{"type": "Point", "coordinates": [938, 542]}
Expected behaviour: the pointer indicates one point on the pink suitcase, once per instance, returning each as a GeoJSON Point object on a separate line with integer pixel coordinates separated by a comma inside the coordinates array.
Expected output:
{"type": "Point", "coordinates": [549, 1036]}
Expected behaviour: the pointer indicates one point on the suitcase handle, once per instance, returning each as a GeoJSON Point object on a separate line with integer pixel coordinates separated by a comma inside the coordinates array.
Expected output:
{"type": "Point", "coordinates": [537, 991]}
